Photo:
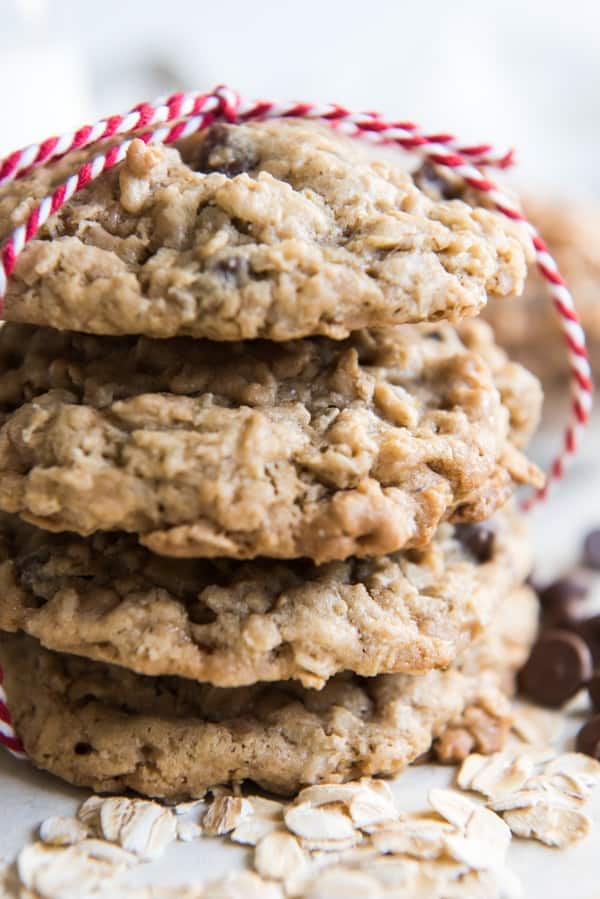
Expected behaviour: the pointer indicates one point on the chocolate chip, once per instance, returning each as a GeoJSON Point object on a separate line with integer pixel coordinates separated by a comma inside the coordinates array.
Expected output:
{"type": "Point", "coordinates": [30, 566]}
{"type": "Point", "coordinates": [591, 550]}
{"type": "Point", "coordinates": [594, 690]}
{"type": "Point", "coordinates": [588, 738]}
{"type": "Point", "coordinates": [423, 759]}
{"type": "Point", "coordinates": [589, 630]}
{"type": "Point", "coordinates": [233, 269]}
{"type": "Point", "coordinates": [559, 665]}
{"type": "Point", "coordinates": [82, 749]}
{"type": "Point", "coordinates": [562, 600]}
{"type": "Point", "coordinates": [478, 539]}
{"type": "Point", "coordinates": [570, 587]}
{"type": "Point", "coordinates": [226, 149]}
{"type": "Point", "coordinates": [431, 180]}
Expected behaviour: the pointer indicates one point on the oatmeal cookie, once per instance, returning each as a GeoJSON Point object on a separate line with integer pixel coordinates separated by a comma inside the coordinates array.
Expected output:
{"type": "Point", "coordinates": [106, 728]}
{"type": "Point", "coordinates": [235, 623]}
{"type": "Point", "coordinates": [277, 230]}
{"type": "Point", "coordinates": [314, 448]}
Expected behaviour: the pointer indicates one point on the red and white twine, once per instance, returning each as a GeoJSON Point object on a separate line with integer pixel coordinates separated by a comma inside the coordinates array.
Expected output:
{"type": "Point", "coordinates": [8, 737]}
{"type": "Point", "coordinates": [183, 114]}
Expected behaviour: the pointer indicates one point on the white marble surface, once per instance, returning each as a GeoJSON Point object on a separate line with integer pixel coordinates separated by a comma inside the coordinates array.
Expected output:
{"type": "Point", "coordinates": [28, 796]}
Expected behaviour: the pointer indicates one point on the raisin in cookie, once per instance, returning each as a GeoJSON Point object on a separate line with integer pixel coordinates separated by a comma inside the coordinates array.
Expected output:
{"type": "Point", "coordinates": [313, 448]}
{"type": "Point", "coordinates": [103, 727]}
{"type": "Point", "coordinates": [277, 230]}
{"type": "Point", "coordinates": [235, 623]}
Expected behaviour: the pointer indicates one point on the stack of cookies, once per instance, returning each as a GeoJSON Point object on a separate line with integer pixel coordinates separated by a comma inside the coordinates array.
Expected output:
{"type": "Point", "coordinates": [251, 481]}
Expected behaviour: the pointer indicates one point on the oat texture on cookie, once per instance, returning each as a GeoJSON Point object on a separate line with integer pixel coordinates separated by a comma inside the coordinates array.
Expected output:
{"type": "Point", "coordinates": [312, 448]}
{"type": "Point", "coordinates": [277, 230]}
{"type": "Point", "coordinates": [234, 623]}
{"type": "Point", "coordinates": [101, 726]}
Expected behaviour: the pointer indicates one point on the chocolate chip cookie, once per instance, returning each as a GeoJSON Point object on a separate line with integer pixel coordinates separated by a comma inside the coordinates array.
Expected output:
{"type": "Point", "coordinates": [277, 230]}
{"type": "Point", "coordinates": [235, 623]}
{"type": "Point", "coordinates": [100, 726]}
{"type": "Point", "coordinates": [312, 448]}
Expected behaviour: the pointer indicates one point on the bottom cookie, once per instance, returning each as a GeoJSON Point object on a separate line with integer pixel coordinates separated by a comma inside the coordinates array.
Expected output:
{"type": "Point", "coordinates": [101, 726]}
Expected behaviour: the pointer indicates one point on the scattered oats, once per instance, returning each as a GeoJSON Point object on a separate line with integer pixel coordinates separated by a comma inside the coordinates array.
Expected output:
{"type": "Point", "coordinates": [418, 837]}
{"type": "Point", "coordinates": [452, 806]}
{"type": "Point", "coordinates": [497, 775]}
{"type": "Point", "coordinates": [71, 872]}
{"type": "Point", "coordinates": [537, 726]}
{"type": "Point", "coordinates": [322, 845]}
{"type": "Point", "coordinates": [484, 844]}
{"type": "Point", "coordinates": [139, 826]}
{"type": "Point", "coordinates": [321, 823]}
{"type": "Point", "coordinates": [543, 789]}
{"type": "Point", "coordinates": [398, 874]}
{"type": "Point", "coordinates": [520, 799]}
{"type": "Point", "coordinates": [279, 857]}
{"type": "Point", "coordinates": [297, 884]}
{"type": "Point", "coordinates": [225, 814]}
{"type": "Point", "coordinates": [469, 770]}
{"type": "Point", "coordinates": [187, 808]}
{"type": "Point", "coordinates": [267, 808]}
{"type": "Point", "coordinates": [379, 786]}
{"type": "Point", "coordinates": [243, 885]}
{"type": "Point", "coordinates": [266, 817]}
{"type": "Point", "coordinates": [369, 809]}
{"type": "Point", "coordinates": [325, 794]}
{"type": "Point", "coordinates": [369, 801]}
{"type": "Point", "coordinates": [344, 883]}
{"type": "Point", "coordinates": [89, 813]}
{"type": "Point", "coordinates": [188, 830]}
{"type": "Point", "coordinates": [59, 831]}
{"type": "Point", "coordinates": [253, 828]}
{"type": "Point", "coordinates": [417, 880]}
{"type": "Point", "coordinates": [553, 825]}
{"type": "Point", "coordinates": [477, 885]}
{"type": "Point", "coordinates": [575, 763]}
{"type": "Point", "coordinates": [538, 755]}
{"type": "Point", "coordinates": [576, 786]}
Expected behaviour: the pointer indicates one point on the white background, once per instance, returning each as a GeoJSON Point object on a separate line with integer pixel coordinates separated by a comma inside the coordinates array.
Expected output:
{"type": "Point", "coordinates": [522, 72]}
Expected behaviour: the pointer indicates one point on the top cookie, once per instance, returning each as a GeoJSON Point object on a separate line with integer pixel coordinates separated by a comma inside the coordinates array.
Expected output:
{"type": "Point", "coordinates": [277, 230]}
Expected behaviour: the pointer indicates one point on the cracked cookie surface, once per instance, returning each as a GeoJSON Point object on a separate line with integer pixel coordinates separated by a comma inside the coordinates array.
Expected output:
{"type": "Point", "coordinates": [277, 230]}
{"type": "Point", "coordinates": [313, 448]}
{"type": "Point", "coordinates": [106, 728]}
{"type": "Point", "coordinates": [235, 623]}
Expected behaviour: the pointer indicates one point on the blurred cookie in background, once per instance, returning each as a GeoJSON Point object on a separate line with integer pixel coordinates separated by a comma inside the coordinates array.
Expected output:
{"type": "Point", "coordinates": [529, 328]}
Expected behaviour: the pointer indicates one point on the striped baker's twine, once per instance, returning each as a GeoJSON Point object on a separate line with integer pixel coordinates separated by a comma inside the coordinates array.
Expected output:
{"type": "Point", "coordinates": [194, 105]}
{"type": "Point", "coordinates": [183, 114]}
{"type": "Point", "coordinates": [8, 737]}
